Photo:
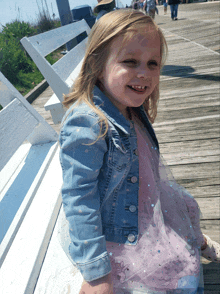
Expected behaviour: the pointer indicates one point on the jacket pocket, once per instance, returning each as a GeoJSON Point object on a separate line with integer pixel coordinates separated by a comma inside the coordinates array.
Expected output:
{"type": "Point", "coordinates": [119, 157]}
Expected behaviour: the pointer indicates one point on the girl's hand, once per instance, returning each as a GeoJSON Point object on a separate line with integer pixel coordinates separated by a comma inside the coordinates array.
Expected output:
{"type": "Point", "coordinates": [101, 286]}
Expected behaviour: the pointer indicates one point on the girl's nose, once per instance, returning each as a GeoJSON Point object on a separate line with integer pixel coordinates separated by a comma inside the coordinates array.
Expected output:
{"type": "Point", "coordinates": [142, 74]}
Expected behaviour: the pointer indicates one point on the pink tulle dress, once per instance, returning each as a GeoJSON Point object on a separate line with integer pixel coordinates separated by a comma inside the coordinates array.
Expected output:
{"type": "Point", "coordinates": [166, 258]}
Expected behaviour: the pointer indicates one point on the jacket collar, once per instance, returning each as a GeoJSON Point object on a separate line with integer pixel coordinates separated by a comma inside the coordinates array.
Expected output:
{"type": "Point", "coordinates": [110, 110]}
{"type": "Point", "coordinates": [116, 117]}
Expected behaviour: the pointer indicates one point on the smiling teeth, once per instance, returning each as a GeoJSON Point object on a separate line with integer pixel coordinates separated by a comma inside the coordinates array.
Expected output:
{"type": "Point", "coordinates": [138, 87]}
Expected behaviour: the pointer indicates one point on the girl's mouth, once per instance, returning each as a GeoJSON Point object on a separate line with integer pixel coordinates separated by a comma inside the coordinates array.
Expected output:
{"type": "Point", "coordinates": [138, 89]}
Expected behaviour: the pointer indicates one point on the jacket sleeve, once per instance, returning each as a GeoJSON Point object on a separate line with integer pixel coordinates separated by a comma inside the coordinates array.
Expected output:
{"type": "Point", "coordinates": [81, 164]}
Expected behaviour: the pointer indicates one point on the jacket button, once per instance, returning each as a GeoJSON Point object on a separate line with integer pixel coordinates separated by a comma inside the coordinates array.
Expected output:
{"type": "Point", "coordinates": [132, 208]}
{"type": "Point", "coordinates": [136, 152]}
{"type": "Point", "coordinates": [131, 238]}
{"type": "Point", "coordinates": [133, 179]}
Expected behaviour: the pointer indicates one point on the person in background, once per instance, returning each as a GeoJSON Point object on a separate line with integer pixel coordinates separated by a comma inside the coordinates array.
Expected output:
{"type": "Point", "coordinates": [165, 6]}
{"type": "Point", "coordinates": [150, 7]}
{"type": "Point", "coordinates": [141, 3]}
{"type": "Point", "coordinates": [103, 7]}
{"type": "Point", "coordinates": [174, 8]}
{"type": "Point", "coordinates": [136, 5]}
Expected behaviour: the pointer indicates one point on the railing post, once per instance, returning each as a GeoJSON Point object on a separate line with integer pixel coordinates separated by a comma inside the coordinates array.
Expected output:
{"type": "Point", "coordinates": [65, 16]}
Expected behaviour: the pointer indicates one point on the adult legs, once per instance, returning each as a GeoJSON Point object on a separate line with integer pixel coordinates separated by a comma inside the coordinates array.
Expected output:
{"type": "Point", "coordinates": [152, 13]}
{"type": "Point", "coordinates": [165, 8]}
{"type": "Point", "coordinates": [175, 10]}
{"type": "Point", "coordinates": [172, 10]}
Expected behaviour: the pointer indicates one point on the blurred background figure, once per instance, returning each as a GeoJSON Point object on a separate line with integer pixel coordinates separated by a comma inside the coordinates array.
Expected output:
{"type": "Point", "coordinates": [150, 7]}
{"type": "Point", "coordinates": [137, 4]}
{"type": "Point", "coordinates": [165, 6]}
{"type": "Point", "coordinates": [141, 4]}
{"type": "Point", "coordinates": [103, 7]}
{"type": "Point", "coordinates": [174, 8]}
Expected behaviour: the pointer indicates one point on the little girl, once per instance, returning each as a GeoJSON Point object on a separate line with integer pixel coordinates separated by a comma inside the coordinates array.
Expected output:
{"type": "Point", "coordinates": [132, 228]}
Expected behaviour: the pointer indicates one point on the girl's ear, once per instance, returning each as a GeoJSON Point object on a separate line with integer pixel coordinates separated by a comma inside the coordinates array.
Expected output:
{"type": "Point", "coordinates": [100, 76]}
{"type": "Point", "coordinates": [99, 84]}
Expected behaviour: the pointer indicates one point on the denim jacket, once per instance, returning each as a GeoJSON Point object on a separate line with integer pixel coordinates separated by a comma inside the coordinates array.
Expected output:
{"type": "Point", "coordinates": [100, 183]}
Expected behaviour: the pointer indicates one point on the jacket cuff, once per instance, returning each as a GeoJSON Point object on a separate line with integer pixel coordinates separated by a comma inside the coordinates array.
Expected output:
{"type": "Point", "coordinates": [95, 268]}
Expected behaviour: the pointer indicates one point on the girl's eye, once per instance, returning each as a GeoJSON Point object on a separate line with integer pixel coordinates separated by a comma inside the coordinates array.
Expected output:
{"type": "Point", "coordinates": [153, 63]}
{"type": "Point", "coordinates": [130, 61]}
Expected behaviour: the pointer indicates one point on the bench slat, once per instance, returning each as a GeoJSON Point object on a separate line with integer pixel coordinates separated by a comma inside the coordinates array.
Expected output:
{"type": "Point", "coordinates": [61, 75]}
{"type": "Point", "coordinates": [57, 37]}
{"type": "Point", "coordinates": [57, 272]}
{"type": "Point", "coordinates": [53, 104]}
{"type": "Point", "coordinates": [38, 46]}
{"type": "Point", "coordinates": [10, 168]}
{"type": "Point", "coordinates": [21, 267]}
{"type": "Point", "coordinates": [24, 172]}
{"type": "Point", "coordinates": [13, 134]}
{"type": "Point", "coordinates": [66, 65]}
{"type": "Point", "coordinates": [56, 109]}
{"type": "Point", "coordinates": [43, 133]}
{"type": "Point", "coordinates": [6, 95]}
{"type": "Point", "coordinates": [53, 79]}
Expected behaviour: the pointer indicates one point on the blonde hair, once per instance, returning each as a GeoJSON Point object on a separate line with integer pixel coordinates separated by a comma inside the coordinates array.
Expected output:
{"type": "Point", "coordinates": [111, 25]}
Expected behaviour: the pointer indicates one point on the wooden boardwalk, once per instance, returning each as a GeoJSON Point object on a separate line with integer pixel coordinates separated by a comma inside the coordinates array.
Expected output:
{"type": "Point", "coordinates": [187, 125]}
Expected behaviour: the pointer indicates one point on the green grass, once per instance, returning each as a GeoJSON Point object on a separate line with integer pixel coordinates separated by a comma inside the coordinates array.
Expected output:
{"type": "Point", "coordinates": [15, 63]}
{"type": "Point", "coordinates": [32, 79]}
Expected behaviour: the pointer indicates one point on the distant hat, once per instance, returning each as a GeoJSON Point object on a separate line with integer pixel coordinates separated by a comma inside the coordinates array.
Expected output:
{"type": "Point", "coordinates": [101, 3]}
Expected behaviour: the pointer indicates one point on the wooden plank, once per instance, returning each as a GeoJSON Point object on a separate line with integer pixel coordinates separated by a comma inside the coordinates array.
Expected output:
{"type": "Point", "coordinates": [22, 264]}
{"type": "Point", "coordinates": [188, 112]}
{"type": "Point", "coordinates": [199, 147]}
{"type": "Point", "coordinates": [212, 289]}
{"type": "Point", "coordinates": [188, 152]}
{"type": "Point", "coordinates": [188, 129]}
{"type": "Point", "coordinates": [210, 207]}
{"type": "Point", "coordinates": [211, 228]}
{"type": "Point", "coordinates": [195, 171]}
{"type": "Point", "coordinates": [211, 272]}
{"type": "Point", "coordinates": [193, 183]}
{"type": "Point", "coordinates": [206, 93]}
{"type": "Point", "coordinates": [189, 158]}
{"type": "Point", "coordinates": [13, 134]}
{"type": "Point", "coordinates": [175, 100]}
{"type": "Point", "coordinates": [197, 178]}
{"type": "Point", "coordinates": [204, 191]}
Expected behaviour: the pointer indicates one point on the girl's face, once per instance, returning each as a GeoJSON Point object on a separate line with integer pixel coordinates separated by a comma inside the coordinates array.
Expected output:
{"type": "Point", "coordinates": [131, 72]}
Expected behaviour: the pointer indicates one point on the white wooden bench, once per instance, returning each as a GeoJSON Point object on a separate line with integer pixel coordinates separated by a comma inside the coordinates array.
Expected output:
{"type": "Point", "coordinates": [61, 75]}
{"type": "Point", "coordinates": [30, 200]}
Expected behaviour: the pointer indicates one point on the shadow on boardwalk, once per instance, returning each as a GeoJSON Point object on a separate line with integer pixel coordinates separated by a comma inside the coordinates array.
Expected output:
{"type": "Point", "coordinates": [187, 72]}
